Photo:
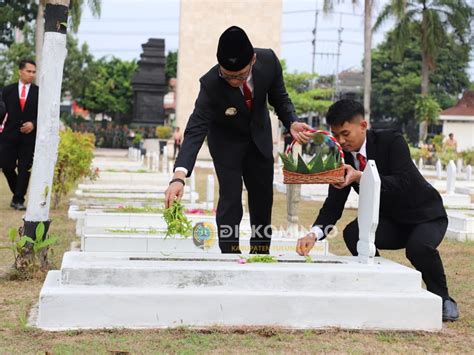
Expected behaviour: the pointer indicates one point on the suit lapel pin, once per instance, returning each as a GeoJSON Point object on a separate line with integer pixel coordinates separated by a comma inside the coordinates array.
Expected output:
{"type": "Point", "coordinates": [231, 111]}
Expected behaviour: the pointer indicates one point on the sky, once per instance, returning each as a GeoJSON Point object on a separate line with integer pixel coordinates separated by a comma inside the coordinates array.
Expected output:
{"type": "Point", "coordinates": [122, 29]}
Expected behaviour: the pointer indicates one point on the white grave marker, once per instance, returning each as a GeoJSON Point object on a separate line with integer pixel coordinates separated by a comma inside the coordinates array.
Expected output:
{"type": "Point", "coordinates": [439, 170]}
{"type": "Point", "coordinates": [368, 212]}
{"type": "Point", "coordinates": [210, 192]}
{"type": "Point", "coordinates": [451, 178]}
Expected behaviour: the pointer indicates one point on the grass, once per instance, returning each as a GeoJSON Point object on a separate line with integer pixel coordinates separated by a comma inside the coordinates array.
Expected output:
{"type": "Point", "coordinates": [17, 298]}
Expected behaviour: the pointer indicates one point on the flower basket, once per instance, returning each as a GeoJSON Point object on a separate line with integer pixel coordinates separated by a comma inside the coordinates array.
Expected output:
{"type": "Point", "coordinates": [316, 171]}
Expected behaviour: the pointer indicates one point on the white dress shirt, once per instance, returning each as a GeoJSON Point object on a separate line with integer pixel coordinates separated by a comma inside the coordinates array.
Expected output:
{"type": "Point", "coordinates": [250, 85]}
{"type": "Point", "coordinates": [363, 151]}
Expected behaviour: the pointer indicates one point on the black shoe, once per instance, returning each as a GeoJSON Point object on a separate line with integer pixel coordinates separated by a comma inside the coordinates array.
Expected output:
{"type": "Point", "coordinates": [19, 206]}
{"type": "Point", "coordinates": [450, 310]}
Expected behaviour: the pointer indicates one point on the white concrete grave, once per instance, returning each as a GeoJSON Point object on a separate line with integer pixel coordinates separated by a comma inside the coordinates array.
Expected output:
{"type": "Point", "coordinates": [146, 290]}
{"type": "Point", "coordinates": [368, 212]}
{"type": "Point", "coordinates": [439, 170]}
{"type": "Point", "coordinates": [451, 199]}
{"type": "Point", "coordinates": [460, 225]}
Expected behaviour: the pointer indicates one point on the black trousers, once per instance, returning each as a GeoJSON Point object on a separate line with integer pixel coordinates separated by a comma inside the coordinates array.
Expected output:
{"type": "Point", "coordinates": [256, 171]}
{"type": "Point", "coordinates": [18, 168]}
{"type": "Point", "coordinates": [420, 242]}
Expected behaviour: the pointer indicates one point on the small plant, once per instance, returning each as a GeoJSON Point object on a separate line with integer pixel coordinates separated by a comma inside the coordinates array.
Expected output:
{"type": "Point", "coordinates": [261, 259]}
{"type": "Point", "coordinates": [27, 251]}
{"type": "Point", "coordinates": [163, 132]}
{"type": "Point", "coordinates": [137, 139]}
{"type": "Point", "coordinates": [176, 220]}
{"type": "Point", "coordinates": [308, 259]}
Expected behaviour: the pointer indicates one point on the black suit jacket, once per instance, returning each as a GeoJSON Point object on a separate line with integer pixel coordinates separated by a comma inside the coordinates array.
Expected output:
{"type": "Point", "coordinates": [16, 117]}
{"type": "Point", "coordinates": [405, 196]}
{"type": "Point", "coordinates": [229, 135]}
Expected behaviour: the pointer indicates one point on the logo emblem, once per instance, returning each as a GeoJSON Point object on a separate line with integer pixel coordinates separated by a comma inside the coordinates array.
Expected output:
{"type": "Point", "coordinates": [231, 111]}
{"type": "Point", "coordinates": [204, 235]}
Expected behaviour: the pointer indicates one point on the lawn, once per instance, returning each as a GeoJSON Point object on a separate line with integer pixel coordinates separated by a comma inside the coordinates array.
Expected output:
{"type": "Point", "coordinates": [17, 298]}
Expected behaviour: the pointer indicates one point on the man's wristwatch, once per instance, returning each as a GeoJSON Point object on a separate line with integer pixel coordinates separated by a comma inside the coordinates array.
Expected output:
{"type": "Point", "coordinates": [178, 180]}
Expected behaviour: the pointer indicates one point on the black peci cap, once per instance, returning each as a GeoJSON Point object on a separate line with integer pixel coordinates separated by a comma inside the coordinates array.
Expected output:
{"type": "Point", "coordinates": [234, 51]}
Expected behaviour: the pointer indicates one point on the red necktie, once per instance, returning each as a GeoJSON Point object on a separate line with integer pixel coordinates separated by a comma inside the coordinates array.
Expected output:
{"type": "Point", "coordinates": [23, 97]}
{"type": "Point", "coordinates": [362, 161]}
{"type": "Point", "coordinates": [247, 95]}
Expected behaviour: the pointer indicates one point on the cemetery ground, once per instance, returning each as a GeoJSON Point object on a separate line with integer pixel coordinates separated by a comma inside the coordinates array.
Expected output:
{"type": "Point", "coordinates": [17, 298]}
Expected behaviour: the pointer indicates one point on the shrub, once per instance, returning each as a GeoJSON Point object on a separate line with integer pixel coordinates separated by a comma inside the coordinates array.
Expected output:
{"type": "Point", "coordinates": [415, 153]}
{"type": "Point", "coordinates": [447, 155]}
{"type": "Point", "coordinates": [75, 154]}
{"type": "Point", "coordinates": [468, 157]}
{"type": "Point", "coordinates": [138, 138]}
{"type": "Point", "coordinates": [163, 132]}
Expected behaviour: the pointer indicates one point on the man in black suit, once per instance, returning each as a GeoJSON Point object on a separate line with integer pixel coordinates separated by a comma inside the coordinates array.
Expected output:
{"type": "Point", "coordinates": [231, 110]}
{"type": "Point", "coordinates": [412, 215]}
{"type": "Point", "coordinates": [18, 132]}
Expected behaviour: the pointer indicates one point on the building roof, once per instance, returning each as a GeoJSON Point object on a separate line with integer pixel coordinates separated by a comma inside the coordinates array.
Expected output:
{"type": "Point", "coordinates": [464, 107]}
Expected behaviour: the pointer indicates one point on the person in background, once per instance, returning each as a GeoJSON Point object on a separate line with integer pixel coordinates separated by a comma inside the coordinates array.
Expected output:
{"type": "Point", "coordinates": [18, 132]}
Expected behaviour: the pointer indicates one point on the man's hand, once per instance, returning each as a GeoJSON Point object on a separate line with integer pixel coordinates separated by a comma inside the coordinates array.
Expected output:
{"type": "Point", "coordinates": [27, 128]}
{"type": "Point", "coordinates": [305, 244]}
{"type": "Point", "coordinates": [176, 190]}
{"type": "Point", "coordinates": [299, 131]}
{"type": "Point", "coordinates": [351, 175]}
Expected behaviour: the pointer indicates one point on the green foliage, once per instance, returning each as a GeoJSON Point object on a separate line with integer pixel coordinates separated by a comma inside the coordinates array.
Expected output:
{"type": "Point", "coordinates": [318, 163]}
{"type": "Point", "coordinates": [78, 68]}
{"type": "Point", "coordinates": [75, 154]}
{"type": "Point", "coordinates": [109, 90]}
{"type": "Point", "coordinates": [415, 153]}
{"type": "Point", "coordinates": [304, 93]}
{"type": "Point", "coordinates": [426, 109]}
{"type": "Point", "coordinates": [437, 142]}
{"type": "Point", "coordinates": [261, 259]}
{"type": "Point", "coordinates": [11, 56]}
{"type": "Point", "coordinates": [137, 139]}
{"type": "Point", "coordinates": [396, 83]}
{"type": "Point", "coordinates": [15, 14]}
{"type": "Point", "coordinates": [468, 156]}
{"type": "Point", "coordinates": [27, 250]}
{"type": "Point", "coordinates": [446, 155]}
{"type": "Point", "coordinates": [171, 65]}
{"type": "Point", "coordinates": [163, 132]}
{"type": "Point", "coordinates": [176, 220]}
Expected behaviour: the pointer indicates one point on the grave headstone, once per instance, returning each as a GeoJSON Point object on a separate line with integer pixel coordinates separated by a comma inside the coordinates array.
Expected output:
{"type": "Point", "coordinates": [469, 173]}
{"type": "Point", "coordinates": [439, 170]}
{"type": "Point", "coordinates": [210, 192]}
{"type": "Point", "coordinates": [368, 212]}
{"type": "Point", "coordinates": [451, 177]}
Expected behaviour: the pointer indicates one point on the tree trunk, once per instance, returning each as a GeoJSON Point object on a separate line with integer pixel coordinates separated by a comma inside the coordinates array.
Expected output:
{"type": "Point", "coordinates": [39, 37]}
{"type": "Point", "coordinates": [425, 74]}
{"type": "Point", "coordinates": [367, 57]}
{"type": "Point", "coordinates": [47, 135]}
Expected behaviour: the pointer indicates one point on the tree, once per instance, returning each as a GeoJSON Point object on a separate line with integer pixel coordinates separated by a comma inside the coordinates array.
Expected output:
{"type": "Point", "coordinates": [110, 90]}
{"type": "Point", "coordinates": [171, 65]}
{"type": "Point", "coordinates": [78, 68]}
{"type": "Point", "coordinates": [305, 99]}
{"type": "Point", "coordinates": [15, 14]}
{"type": "Point", "coordinates": [328, 6]}
{"type": "Point", "coordinates": [397, 82]}
{"type": "Point", "coordinates": [432, 21]}
{"type": "Point", "coordinates": [47, 141]}
{"type": "Point", "coordinates": [10, 57]}
{"type": "Point", "coordinates": [76, 8]}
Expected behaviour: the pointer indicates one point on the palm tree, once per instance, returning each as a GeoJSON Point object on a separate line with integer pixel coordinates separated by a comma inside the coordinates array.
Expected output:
{"type": "Point", "coordinates": [431, 20]}
{"type": "Point", "coordinates": [328, 6]}
{"type": "Point", "coordinates": [75, 12]}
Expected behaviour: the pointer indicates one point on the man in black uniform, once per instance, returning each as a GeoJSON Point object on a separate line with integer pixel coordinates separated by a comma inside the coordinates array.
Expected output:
{"type": "Point", "coordinates": [18, 132]}
{"type": "Point", "coordinates": [231, 110]}
{"type": "Point", "coordinates": [412, 215]}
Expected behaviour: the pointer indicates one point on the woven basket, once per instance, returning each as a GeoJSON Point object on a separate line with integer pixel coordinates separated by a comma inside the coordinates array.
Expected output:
{"type": "Point", "coordinates": [327, 177]}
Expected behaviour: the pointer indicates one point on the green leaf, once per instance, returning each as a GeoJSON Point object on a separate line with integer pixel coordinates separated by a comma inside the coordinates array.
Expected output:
{"type": "Point", "coordinates": [27, 239]}
{"type": "Point", "coordinates": [330, 162]}
{"type": "Point", "coordinates": [287, 163]}
{"type": "Point", "coordinates": [40, 231]}
{"type": "Point", "coordinates": [318, 165]}
{"type": "Point", "coordinates": [302, 168]}
{"type": "Point", "coordinates": [12, 234]}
